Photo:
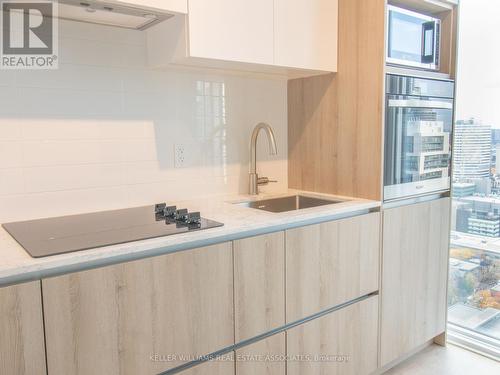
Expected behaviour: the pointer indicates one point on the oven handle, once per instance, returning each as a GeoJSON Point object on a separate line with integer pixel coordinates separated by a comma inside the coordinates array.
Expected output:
{"type": "Point", "coordinates": [415, 103]}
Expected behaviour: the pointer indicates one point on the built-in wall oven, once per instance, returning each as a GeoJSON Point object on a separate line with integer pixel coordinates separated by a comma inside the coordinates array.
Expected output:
{"type": "Point", "coordinates": [418, 131]}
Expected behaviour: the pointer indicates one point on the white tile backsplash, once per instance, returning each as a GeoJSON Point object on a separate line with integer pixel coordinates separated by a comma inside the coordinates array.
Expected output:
{"type": "Point", "coordinates": [11, 154]}
{"type": "Point", "coordinates": [99, 132]}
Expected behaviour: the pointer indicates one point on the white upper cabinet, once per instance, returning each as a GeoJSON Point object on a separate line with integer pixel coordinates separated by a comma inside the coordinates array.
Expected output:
{"type": "Point", "coordinates": [305, 34]}
{"type": "Point", "coordinates": [177, 6]}
{"type": "Point", "coordinates": [292, 37]}
{"type": "Point", "coordinates": [232, 30]}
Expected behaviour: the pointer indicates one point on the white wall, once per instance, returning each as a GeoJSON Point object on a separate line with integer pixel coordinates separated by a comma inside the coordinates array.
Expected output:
{"type": "Point", "coordinates": [99, 133]}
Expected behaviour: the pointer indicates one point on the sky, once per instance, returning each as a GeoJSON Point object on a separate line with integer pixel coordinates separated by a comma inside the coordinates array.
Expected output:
{"type": "Point", "coordinates": [478, 74]}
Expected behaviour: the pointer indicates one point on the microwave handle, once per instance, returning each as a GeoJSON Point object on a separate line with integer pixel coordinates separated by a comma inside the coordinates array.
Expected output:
{"type": "Point", "coordinates": [429, 30]}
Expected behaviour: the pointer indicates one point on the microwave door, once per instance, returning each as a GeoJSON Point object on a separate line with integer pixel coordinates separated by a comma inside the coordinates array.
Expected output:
{"type": "Point", "coordinates": [412, 39]}
{"type": "Point", "coordinates": [405, 39]}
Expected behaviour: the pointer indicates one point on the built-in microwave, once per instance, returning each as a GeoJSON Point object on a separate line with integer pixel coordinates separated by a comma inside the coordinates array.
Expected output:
{"type": "Point", "coordinates": [413, 39]}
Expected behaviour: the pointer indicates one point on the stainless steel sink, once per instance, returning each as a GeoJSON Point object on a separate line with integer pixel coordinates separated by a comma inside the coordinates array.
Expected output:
{"type": "Point", "coordinates": [290, 203]}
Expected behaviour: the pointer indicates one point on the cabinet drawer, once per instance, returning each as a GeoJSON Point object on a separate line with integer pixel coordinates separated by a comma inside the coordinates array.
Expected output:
{"type": "Point", "coordinates": [262, 357]}
{"type": "Point", "coordinates": [343, 342]}
{"type": "Point", "coordinates": [331, 263]}
{"type": "Point", "coordinates": [223, 366]}
{"type": "Point", "coordinates": [140, 317]}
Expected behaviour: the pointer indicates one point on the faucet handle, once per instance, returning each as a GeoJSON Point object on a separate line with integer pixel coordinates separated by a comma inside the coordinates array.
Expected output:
{"type": "Point", "coordinates": [264, 181]}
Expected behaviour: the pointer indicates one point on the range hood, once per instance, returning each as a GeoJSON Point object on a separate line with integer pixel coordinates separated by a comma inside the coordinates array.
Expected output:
{"type": "Point", "coordinates": [108, 13]}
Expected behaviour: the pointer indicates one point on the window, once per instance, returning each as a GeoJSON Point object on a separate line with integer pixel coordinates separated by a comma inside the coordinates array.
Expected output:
{"type": "Point", "coordinates": [474, 284]}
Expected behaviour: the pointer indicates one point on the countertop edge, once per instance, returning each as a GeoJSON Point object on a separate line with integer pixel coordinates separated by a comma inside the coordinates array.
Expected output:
{"type": "Point", "coordinates": [28, 273]}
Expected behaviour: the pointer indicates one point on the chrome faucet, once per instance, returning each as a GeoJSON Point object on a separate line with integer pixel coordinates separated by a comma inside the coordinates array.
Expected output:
{"type": "Point", "coordinates": [255, 180]}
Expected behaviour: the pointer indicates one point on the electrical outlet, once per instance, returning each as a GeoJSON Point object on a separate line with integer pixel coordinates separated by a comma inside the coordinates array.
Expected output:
{"type": "Point", "coordinates": [187, 155]}
{"type": "Point", "coordinates": [179, 155]}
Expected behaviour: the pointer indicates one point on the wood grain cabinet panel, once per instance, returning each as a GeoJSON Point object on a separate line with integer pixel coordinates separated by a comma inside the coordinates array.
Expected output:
{"type": "Point", "coordinates": [140, 317]}
{"type": "Point", "coordinates": [259, 282]}
{"type": "Point", "coordinates": [343, 342]}
{"type": "Point", "coordinates": [335, 121]}
{"type": "Point", "coordinates": [331, 263]}
{"type": "Point", "coordinates": [223, 366]}
{"type": "Point", "coordinates": [22, 348]}
{"type": "Point", "coordinates": [414, 279]}
{"type": "Point", "coordinates": [265, 357]}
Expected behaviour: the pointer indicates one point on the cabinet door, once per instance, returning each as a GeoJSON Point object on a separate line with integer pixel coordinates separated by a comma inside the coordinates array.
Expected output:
{"type": "Point", "coordinates": [259, 284]}
{"type": "Point", "coordinates": [306, 34]}
{"type": "Point", "coordinates": [341, 343]}
{"type": "Point", "coordinates": [415, 267]}
{"type": "Point", "coordinates": [233, 30]}
{"type": "Point", "coordinates": [331, 263]}
{"type": "Point", "coordinates": [222, 366]}
{"type": "Point", "coordinates": [22, 348]}
{"type": "Point", "coordinates": [178, 6]}
{"type": "Point", "coordinates": [140, 317]}
{"type": "Point", "coordinates": [265, 357]}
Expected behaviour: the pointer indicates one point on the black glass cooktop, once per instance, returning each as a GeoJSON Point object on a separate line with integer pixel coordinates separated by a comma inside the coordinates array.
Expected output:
{"type": "Point", "coordinates": [58, 235]}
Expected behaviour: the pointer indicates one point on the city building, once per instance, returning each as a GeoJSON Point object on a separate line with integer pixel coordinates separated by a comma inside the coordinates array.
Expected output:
{"type": "Point", "coordinates": [495, 184]}
{"type": "Point", "coordinates": [495, 149]}
{"type": "Point", "coordinates": [495, 160]}
{"type": "Point", "coordinates": [463, 189]}
{"type": "Point", "coordinates": [478, 215]}
{"type": "Point", "coordinates": [461, 268]}
{"type": "Point", "coordinates": [484, 224]}
{"type": "Point", "coordinates": [463, 213]}
{"type": "Point", "coordinates": [490, 246]}
{"type": "Point", "coordinates": [429, 146]}
{"type": "Point", "coordinates": [495, 137]}
{"type": "Point", "coordinates": [481, 203]}
{"type": "Point", "coordinates": [472, 151]}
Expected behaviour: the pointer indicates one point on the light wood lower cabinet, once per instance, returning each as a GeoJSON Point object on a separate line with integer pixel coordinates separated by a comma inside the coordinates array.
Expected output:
{"type": "Point", "coordinates": [266, 357]}
{"type": "Point", "coordinates": [415, 267]}
{"type": "Point", "coordinates": [223, 366]}
{"type": "Point", "coordinates": [259, 284]}
{"type": "Point", "coordinates": [155, 314]}
{"type": "Point", "coordinates": [331, 263]}
{"type": "Point", "coordinates": [140, 317]}
{"type": "Point", "coordinates": [22, 349]}
{"type": "Point", "coordinates": [344, 342]}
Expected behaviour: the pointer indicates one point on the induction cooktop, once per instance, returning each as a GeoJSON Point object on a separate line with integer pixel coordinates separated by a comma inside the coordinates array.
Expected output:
{"type": "Point", "coordinates": [65, 234]}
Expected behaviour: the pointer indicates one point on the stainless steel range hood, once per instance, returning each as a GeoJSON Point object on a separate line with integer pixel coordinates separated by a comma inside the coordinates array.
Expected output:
{"type": "Point", "coordinates": [108, 13]}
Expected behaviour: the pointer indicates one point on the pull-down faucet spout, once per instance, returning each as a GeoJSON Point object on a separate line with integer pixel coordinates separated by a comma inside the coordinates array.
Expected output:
{"type": "Point", "coordinates": [255, 181]}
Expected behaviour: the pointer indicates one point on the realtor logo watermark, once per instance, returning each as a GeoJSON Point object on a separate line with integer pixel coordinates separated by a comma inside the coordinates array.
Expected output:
{"type": "Point", "coordinates": [29, 34]}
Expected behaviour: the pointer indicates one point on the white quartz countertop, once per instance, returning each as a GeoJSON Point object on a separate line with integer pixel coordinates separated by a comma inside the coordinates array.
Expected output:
{"type": "Point", "coordinates": [16, 265]}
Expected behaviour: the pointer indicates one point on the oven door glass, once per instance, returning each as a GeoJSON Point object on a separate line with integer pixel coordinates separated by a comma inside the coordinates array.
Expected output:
{"type": "Point", "coordinates": [417, 145]}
